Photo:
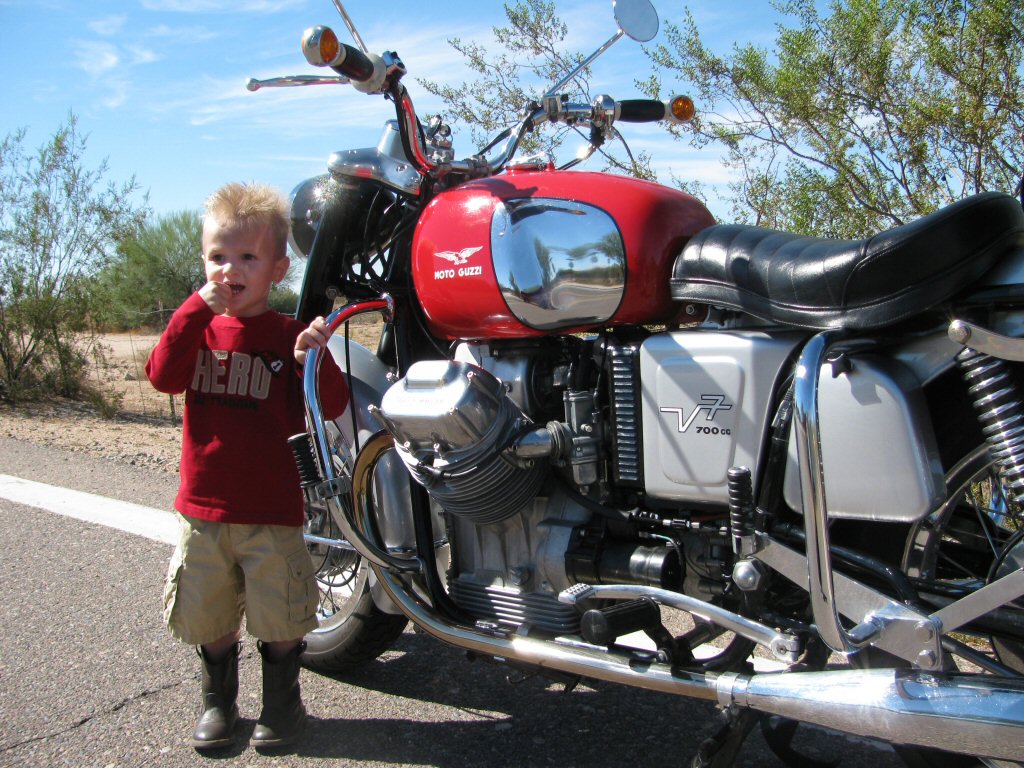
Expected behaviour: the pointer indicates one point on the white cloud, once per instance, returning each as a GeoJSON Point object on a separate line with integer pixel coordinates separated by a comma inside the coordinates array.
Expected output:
{"type": "Point", "coordinates": [45, 93]}
{"type": "Point", "coordinates": [109, 67]}
{"type": "Point", "coordinates": [221, 6]}
{"type": "Point", "coordinates": [117, 93]}
{"type": "Point", "coordinates": [108, 26]}
{"type": "Point", "coordinates": [142, 55]}
{"type": "Point", "coordinates": [721, 30]}
{"type": "Point", "coordinates": [96, 58]}
{"type": "Point", "coordinates": [194, 34]}
{"type": "Point", "coordinates": [279, 111]}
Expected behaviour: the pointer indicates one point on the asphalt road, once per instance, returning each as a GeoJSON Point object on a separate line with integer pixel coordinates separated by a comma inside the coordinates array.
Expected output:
{"type": "Point", "coordinates": [89, 676]}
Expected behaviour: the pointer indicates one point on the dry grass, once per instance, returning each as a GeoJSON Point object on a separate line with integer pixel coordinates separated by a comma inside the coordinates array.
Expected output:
{"type": "Point", "coordinates": [135, 424]}
{"type": "Point", "coordinates": [119, 370]}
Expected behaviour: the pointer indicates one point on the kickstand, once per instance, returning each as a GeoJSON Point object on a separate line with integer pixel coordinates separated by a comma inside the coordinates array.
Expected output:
{"type": "Point", "coordinates": [720, 750]}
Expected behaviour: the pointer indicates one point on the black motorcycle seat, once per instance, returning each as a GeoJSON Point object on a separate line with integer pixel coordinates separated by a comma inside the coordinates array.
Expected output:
{"type": "Point", "coordinates": [823, 284]}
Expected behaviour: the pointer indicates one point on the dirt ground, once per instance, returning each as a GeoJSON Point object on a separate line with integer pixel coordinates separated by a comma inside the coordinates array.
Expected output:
{"type": "Point", "coordinates": [141, 433]}
{"type": "Point", "coordinates": [146, 428]}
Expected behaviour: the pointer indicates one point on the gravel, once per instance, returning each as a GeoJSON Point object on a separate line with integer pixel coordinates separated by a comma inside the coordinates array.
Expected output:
{"type": "Point", "coordinates": [136, 440]}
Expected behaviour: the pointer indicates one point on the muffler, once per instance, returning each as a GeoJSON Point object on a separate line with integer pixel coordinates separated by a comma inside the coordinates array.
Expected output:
{"type": "Point", "coordinates": [973, 715]}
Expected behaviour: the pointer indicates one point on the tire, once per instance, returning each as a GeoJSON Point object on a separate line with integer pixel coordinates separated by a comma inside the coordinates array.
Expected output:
{"type": "Point", "coordinates": [964, 541]}
{"type": "Point", "coordinates": [957, 545]}
{"type": "Point", "coordinates": [353, 630]}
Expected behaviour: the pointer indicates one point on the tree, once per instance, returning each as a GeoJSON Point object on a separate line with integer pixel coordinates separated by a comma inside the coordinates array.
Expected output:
{"type": "Point", "coordinates": [282, 298]}
{"type": "Point", "coordinates": [59, 223]}
{"type": "Point", "coordinates": [528, 62]}
{"type": "Point", "coordinates": [156, 270]}
{"type": "Point", "coordinates": [863, 119]}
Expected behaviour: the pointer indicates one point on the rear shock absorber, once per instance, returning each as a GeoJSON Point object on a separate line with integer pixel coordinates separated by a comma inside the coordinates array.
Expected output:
{"type": "Point", "coordinates": [1000, 413]}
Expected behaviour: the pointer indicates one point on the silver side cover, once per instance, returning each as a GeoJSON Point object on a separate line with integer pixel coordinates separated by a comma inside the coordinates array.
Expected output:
{"type": "Point", "coordinates": [706, 400]}
{"type": "Point", "coordinates": [878, 449]}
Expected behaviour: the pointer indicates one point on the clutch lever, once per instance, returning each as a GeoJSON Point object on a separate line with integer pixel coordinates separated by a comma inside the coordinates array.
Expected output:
{"type": "Point", "coordinates": [295, 80]}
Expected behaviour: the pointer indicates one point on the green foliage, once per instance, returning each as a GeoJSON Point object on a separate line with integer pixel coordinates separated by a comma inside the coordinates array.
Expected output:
{"type": "Point", "coordinates": [159, 267]}
{"type": "Point", "coordinates": [155, 271]}
{"type": "Point", "coordinates": [283, 296]}
{"type": "Point", "coordinates": [862, 119]}
{"type": "Point", "coordinates": [284, 300]}
{"type": "Point", "coordinates": [59, 224]}
{"type": "Point", "coordinates": [528, 60]}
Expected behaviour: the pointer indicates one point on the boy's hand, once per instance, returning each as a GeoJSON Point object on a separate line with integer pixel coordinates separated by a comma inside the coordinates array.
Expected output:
{"type": "Point", "coordinates": [314, 337]}
{"type": "Point", "coordinates": [216, 296]}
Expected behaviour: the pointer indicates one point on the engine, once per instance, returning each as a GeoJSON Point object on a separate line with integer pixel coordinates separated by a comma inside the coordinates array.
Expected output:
{"type": "Point", "coordinates": [514, 452]}
{"type": "Point", "coordinates": [452, 423]}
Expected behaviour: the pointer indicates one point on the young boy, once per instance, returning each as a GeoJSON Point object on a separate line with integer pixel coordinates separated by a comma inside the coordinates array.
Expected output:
{"type": "Point", "coordinates": [241, 509]}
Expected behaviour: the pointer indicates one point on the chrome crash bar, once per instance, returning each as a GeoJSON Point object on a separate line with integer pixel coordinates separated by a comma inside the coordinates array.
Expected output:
{"type": "Point", "coordinates": [890, 625]}
{"type": "Point", "coordinates": [332, 488]}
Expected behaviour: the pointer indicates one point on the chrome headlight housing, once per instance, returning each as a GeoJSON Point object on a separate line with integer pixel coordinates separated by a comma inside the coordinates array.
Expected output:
{"type": "Point", "coordinates": [309, 200]}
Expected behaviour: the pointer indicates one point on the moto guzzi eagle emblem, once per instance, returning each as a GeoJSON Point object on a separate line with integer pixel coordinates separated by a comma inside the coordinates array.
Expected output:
{"type": "Point", "coordinates": [458, 257]}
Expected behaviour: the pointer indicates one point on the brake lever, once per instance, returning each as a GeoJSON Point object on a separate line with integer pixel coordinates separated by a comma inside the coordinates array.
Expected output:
{"type": "Point", "coordinates": [295, 80]}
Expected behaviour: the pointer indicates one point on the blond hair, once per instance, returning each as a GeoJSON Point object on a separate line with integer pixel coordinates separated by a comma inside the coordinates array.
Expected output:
{"type": "Point", "coordinates": [246, 204]}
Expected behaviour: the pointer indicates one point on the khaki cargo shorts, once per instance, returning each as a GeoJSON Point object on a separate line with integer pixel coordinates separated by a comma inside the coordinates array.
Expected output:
{"type": "Point", "coordinates": [220, 571]}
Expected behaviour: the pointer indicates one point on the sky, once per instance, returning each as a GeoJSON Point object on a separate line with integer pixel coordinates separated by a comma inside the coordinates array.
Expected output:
{"type": "Point", "coordinates": [158, 86]}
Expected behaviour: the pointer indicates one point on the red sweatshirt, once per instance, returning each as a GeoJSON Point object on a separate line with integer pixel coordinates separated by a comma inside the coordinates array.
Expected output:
{"type": "Point", "coordinates": [243, 400]}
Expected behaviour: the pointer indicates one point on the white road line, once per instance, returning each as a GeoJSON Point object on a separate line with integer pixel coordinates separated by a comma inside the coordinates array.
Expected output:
{"type": "Point", "coordinates": [156, 524]}
{"type": "Point", "coordinates": [160, 525]}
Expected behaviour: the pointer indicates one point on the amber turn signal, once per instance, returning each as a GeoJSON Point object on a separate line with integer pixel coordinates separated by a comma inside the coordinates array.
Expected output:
{"type": "Point", "coordinates": [320, 46]}
{"type": "Point", "coordinates": [682, 108]}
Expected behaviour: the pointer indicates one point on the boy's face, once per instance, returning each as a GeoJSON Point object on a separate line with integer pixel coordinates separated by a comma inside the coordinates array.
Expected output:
{"type": "Point", "coordinates": [243, 257]}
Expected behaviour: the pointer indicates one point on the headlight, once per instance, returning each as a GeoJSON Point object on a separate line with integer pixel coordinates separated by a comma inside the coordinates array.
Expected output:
{"type": "Point", "coordinates": [309, 201]}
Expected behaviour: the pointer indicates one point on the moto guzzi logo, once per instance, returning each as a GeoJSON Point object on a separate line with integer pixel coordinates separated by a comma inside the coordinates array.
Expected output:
{"type": "Point", "coordinates": [709, 405]}
{"type": "Point", "coordinates": [458, 259]}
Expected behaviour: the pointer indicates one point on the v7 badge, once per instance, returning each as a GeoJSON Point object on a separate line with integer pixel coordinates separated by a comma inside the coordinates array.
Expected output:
{"type": "Point", "coordinates": [710, 405]}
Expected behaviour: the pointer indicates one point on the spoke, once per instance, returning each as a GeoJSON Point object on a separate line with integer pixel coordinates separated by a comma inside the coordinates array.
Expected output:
{"type": "Point", "coordinates": [953, 558]}
{"type": "Point", "coordinates": [984, 520]}
{"type": "Point", "coordinates": [945, 557]}
{"type": "Point", "coordinates": [337, 576]}
{"type": "Point", "coordinates": [329, 594]}
{"type": "Point", "coordinates": [1001, 511]}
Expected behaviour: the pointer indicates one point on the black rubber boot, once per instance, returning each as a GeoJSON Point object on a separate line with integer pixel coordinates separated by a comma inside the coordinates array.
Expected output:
{"type": "Point", "coordinates": [284, 715]}
{"type": "Point", "coordinates": [219, 713]}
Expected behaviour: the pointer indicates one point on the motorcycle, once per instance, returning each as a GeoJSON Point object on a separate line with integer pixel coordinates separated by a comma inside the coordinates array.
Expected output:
{"type": "Point", "coordinates": [595, 416]}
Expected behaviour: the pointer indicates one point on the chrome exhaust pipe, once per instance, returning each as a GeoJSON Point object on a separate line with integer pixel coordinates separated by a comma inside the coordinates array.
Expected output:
{"type": "Point", "coordinates": [975, 715]}
{"type": "Point", "coordinates": [972, 715]}
{"type": "Point", "coordinates": [979, 716]}
{"type": "Point", "coordinates": [569, 658]}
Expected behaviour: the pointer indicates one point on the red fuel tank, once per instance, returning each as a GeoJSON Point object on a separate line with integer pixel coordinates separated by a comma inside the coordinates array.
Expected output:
{"type": "Point", "coordinates": [532, 253]}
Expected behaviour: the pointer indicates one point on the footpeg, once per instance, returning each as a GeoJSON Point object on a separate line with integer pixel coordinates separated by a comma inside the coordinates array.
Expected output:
{"type": "Point", "coordinates": [575, 594]}
{"type": "Point", "coordinates": [603, 626]}
{"type": "Point", "coordinates": [785, 647]}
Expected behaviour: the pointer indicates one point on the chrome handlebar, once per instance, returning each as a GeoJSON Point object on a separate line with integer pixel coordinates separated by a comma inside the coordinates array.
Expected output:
{"type": "Point", "coordinates": [321, 48]}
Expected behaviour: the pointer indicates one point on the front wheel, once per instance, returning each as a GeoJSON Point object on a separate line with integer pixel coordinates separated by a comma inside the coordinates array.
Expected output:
{"type": "Point", "coordinates": [353, 630]}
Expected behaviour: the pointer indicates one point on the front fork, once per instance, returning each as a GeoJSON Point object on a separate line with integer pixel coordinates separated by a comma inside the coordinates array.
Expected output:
{"type": "Point", "coordinates": [335, 490]}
